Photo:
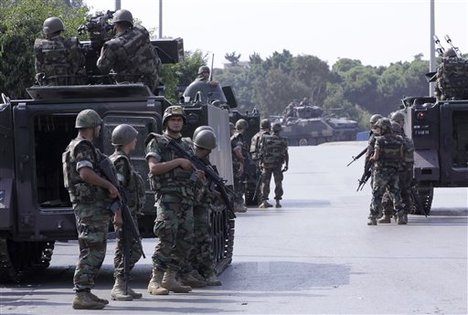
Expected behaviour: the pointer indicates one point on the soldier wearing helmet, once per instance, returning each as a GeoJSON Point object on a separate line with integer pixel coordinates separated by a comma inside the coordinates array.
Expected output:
{"type": "Point", "coordinates": [200, 269]}
{"type": "Point", "coordinates": [387, 160]}
{"type": "Point", "coordinates": [124, 139]}
{"type": "Point", "coordinates": [273, 155]}
{"type": "Point", "coordinates": [204, 90]}
{"type": "Point", "coordinates": [265, 129]}
{"type": "Point", "coordinates": [91, 196]}
{"type": "Point", "coordinates": [399, 117]}
{"type": "Point", "coordinates": [130, 55]}
{"type": "Point", "coordinates": [240, 156]}
{"type": "Point", "coordinates": [173, 180]}
{"type": "Point", "coordinates": [58, 61]}
{"type": "Point", "coordinates": [371, 142]}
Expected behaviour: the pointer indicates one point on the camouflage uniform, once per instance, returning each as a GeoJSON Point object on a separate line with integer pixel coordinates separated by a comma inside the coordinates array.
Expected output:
{"type": "Point", "coordinates": [91, 206]}
{"type": "Point", "coordinates": [133, 186]}
{"type": "Point", "coordinates": [237, 141]}
{"type": "Point", "coordinates": [385, 174]}
{"type": "Point", "coordinates": [174, 194]}
{"type": "Point", "coordinates": [59, 61]}
{"type": "Point", "coordinates": [132, 57]}
{"type": "Point", "coordinates": [273, 154]}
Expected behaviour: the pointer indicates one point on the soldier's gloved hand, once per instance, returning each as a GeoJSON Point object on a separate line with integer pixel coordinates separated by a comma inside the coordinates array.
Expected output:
{"type": "Point", "coordinates": [118, 221]}
{"type": "Point", "coordinates": [285, 168]}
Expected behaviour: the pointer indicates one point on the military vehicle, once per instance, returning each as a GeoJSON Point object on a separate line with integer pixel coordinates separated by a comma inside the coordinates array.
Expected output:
{"type": "Point", "coordinates": [344, 129]}
{"type": "Point", "coordinates": [439, 130]}
{"type": "Point", "coordinates": [35, 210]}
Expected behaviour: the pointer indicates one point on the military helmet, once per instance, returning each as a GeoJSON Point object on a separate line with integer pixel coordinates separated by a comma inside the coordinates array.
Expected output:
{"type": "Point", "coordinates": [88, 118]}
{"type": "Point", "coordinates": [123, 16]}
{"type": "Point", "coordinates": [277, 127]}
{"type": "Point", "coordinates": [123, 134]}
{"type": "Point", "coordinates": [203, 69]}
{"type": "Point", "coordinates": [174, 110]}
{"type": "Point", "coordinates": [53, 25]}
{"type": "Point", "coordinates": [200, 128]}
{"type": "Point", "coordinates": [450, 53]}
{"type": "Point", "coordinates": [384, 124]}
{"type": "Point", "coordinates": [399, 117]}
{"type": "Point", "coordinates": [205, 139]}
{"type": "Point", "coordinates": [396, 127]}
{"type": "Point", "coordinates": [265, 124]}
{"type": "Point", "coordinates": [374, 118]}
{"type": "Point", "coordinates": [242, 124]}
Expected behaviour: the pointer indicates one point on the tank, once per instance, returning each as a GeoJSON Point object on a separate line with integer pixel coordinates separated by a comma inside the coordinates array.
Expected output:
{"type": "Point", "coordinates": [439, 130]}
{"type": "Point", "coordinates": [344, 129]}
{"type": "Point", "coordinates": [35, 210]}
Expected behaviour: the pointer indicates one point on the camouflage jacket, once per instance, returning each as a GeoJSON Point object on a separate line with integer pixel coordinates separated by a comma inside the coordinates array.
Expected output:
{"type": "Point", "coordinates": [390, 151]}
{"type": "Point", "coordinates": [255, 144]}
{"type": "Point", "coordinates": [273, 150]}
{"type": "Point", "coordinates": [131, 57]}
{"type": "Point", "coordinates": [59, 61]}
{"type": "Point", "coordinates": [132, 183]}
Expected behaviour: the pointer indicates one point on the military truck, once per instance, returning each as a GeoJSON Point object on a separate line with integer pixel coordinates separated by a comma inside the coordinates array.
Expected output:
{"type": "Point", "coordinates": [35, 210]}
{"type": "Point", "coordinates": [439, 130]}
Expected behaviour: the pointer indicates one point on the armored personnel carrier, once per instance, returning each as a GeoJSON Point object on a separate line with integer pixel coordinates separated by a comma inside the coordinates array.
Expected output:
{"type": "Point", "coordinates": [35, 210]}
{"type": "Point", "coordinates": [439, 130]}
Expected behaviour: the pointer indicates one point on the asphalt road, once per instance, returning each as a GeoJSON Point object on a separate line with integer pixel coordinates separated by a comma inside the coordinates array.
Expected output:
{"type": "Point", "coordinates": [315, 255]}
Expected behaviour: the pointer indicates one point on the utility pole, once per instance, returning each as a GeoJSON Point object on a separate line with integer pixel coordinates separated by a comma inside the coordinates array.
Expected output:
{"type": "Point", "coordinates": [432, 60]}
{"type": "Point", "coordinates": [160, 19]}
{"type": "Point", "coordinates": [117, 5]}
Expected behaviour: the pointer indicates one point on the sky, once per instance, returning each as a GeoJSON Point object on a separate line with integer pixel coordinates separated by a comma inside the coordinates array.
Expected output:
{"type": "Point", "coordinates": [377, 32]}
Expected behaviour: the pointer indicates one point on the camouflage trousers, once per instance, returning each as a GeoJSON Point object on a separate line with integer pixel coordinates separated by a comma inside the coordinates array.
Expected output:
{"type": "Point", "coordinates": [239, 186]}
{"type": "Point", "coordinates": [404, 185]}
{"type": "Point", "coordinates": [266, 179]}
{"type": "Point", "coordinates": [134, 255]}
{"type": "Point", "coordinates": [92, 224]}
{"type": "Point", "coordinates": [385, 180]}
{"type": "Point", "coordinates": [174, 228]}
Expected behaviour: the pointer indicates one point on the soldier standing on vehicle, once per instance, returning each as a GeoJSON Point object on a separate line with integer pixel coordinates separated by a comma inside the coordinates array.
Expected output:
{"type": "Point", "coordinates": [207, 90]}
{"type": "Point", "coordinates": [173, 179]}
{"type": "Point", "coordinates": [387, 158]}
{"type": "Point", "coordinates": [124, 139]}
{"type": "Point", "coordinates": [130, 54]}
{"type": "Point", "coordinates": [273, 155]}
{"type": "Point", "coordinates": [58, 61]}
{"type": "Point", "coordinates": [239, 160]}
{"type": "Point", "coordinates": [208, 199]}
{"type": "Point", "coordinates": [91, 196]}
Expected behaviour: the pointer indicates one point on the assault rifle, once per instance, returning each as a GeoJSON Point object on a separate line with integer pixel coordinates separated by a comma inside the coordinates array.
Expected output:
{"type": "Point", "coordinates": [209, 172]}
{"type": "Point", "coordinates": [440, 49]}
{"type": "Point", "coordinates": [355, 158]}
{"type": "Point", "coordinates": [129, 231]}
{"type": "Point", "coordinates": [366, 175]}
{"type": "Point", "coordinates": [455, 49]}
{"type": "Point", "coordinates": [99, 31]}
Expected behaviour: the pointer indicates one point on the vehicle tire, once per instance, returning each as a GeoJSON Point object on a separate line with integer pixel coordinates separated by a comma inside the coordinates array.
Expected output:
{"type": "Point", "coordinates": [423, 199]}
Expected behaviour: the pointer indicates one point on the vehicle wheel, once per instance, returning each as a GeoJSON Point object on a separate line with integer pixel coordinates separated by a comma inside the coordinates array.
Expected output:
{"type": "Point", "coordinates": [423, 199]}
{"type": "Point", "coordinates": [303, 141]}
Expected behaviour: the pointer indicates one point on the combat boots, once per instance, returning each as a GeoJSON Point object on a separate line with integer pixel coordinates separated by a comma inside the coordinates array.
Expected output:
{"type": "Point", "coordinates": [278, 205]}
{"type": "Point", "coordinates": [97, 299]}
{"type": "Point", "coordinates": [212, 280]}
{"type": "Point", "coordinates": [119, 293]}
{"type": "Point", "coordinates": [84, 300]}
{"type": "Point", "coordinates": [386, 218]}
{"type": "Point", "coordinates": [372, 221]}
{"type": "Point", "coordinates": [170, 283]}
{"type": "Point", "coordinates": [402, 217]}
{"type": "Point", "coordinates": [189, 280]}
{"type": "Point", "coordinates": [154, 285]}
{"type": "Point", "coordinates": [265, 204]}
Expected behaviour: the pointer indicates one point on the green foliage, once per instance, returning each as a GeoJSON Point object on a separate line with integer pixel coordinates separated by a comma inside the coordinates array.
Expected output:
{"type": "Point", "coordinates": [20, 24]}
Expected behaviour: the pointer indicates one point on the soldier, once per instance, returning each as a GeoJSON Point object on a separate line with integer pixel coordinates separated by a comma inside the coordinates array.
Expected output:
{"type": "Point", "coordinates": [273, 154]}
{"type": "Point", "coordinates": [58, 61]}
{"type": "Point", "coordinates": [371, 144]}
{"type": "Point", "coordinates": [202, 255]}
{"type": "Point", "coordinates": [207, 91]}
{"type": "Point", "coordinates": [173, 179]}
{"type": "Point", "coordinates": [124, 139]}
{"type": "Point", "coordinates": [91, 196]}
{"type": "Point", "coordinates": [130, 54]}
{"type": "Point", "coordinates": [265, 129]}
{"type": "Point", "coordinates": [239, 160]}
{"type": "Point", "coordinates": [387, 158]}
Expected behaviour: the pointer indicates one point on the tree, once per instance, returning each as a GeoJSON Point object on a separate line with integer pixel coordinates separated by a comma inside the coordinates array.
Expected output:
{"type": "Point", "coordinates": [232, 58]}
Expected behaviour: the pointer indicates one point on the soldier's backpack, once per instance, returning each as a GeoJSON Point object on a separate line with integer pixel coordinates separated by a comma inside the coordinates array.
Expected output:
{"type": "Point", "coordinates": [452, 78]}
{"type": "Point", "coordinates": [272, 149]}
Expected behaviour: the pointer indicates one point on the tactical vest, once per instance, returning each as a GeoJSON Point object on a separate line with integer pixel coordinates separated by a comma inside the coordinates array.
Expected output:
{"type": "Point", "coordinates": [137, 60]}
{"type": "Point", "coordinates": [78, 189]}
{"type": "Point", "coordinates": [452, 79]}
{"type": "Point", "coordinates": [54, 61]}
{"type": "Point", "coordinates": [273, 149]}
{"type": "Point", "coordinates": [255, 144]}
{"type": "Point", "coordinates": [134, 186]}
{"type": "Point", "coordinates": [176, 180]}
{"type": "Point", "coordinates": [389, 151]}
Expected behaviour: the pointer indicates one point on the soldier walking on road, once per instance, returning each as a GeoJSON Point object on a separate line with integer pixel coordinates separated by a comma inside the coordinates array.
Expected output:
{"type": "Point", "coordinates": [58, 61]}
{"type": "Point", "coordinates": [173, 179]}
{"type": "Point", "coordinates": [130, 54]}
{"type": "Point", "coordinates": [387, 158]}
{"type": "Point", "coordinates": [273, 155]}
{"type": "Point", "coordinates": [124, 139]}
{"type": "Point", "coordinates": [91, 196]}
